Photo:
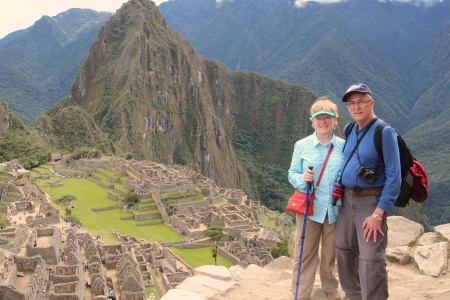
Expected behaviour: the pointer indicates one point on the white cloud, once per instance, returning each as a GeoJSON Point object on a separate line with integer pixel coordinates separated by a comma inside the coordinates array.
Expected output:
{"type": "Point", "coordinates": [21, 14]}
{"type": "Point", "coordinates": [415, 2]}
{"type": "Point", "coordinates": [301, 3]}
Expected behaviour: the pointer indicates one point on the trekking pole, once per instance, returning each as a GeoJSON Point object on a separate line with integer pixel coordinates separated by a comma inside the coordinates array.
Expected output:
{"type": "Point", "coordinates": [302, 240]}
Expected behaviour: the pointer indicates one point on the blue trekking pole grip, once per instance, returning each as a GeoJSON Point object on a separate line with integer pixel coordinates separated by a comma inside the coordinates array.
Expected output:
{"type": "Point", "coordinates": [302, 240]}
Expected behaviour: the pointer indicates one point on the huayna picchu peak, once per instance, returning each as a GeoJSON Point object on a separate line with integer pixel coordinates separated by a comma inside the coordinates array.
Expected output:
{"type": "Point", "coordinates": [155, 98]}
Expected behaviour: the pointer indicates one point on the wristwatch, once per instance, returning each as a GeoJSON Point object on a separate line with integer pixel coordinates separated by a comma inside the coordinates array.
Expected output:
{"type": "Point", "coordinates": [376, 217]}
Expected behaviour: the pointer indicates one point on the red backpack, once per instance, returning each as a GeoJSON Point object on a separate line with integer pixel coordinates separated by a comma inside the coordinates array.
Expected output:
{"type": "Point", "coordinates": [420, 186]}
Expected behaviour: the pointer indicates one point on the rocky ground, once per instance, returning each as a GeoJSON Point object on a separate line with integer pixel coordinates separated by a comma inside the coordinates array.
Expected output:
{"type": "Point", "coordinates": [273, 282]}
{"type": "Point", "coordinates": [407, 281]}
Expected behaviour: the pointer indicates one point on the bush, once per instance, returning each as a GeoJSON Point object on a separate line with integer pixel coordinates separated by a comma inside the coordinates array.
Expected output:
{"type": "Point", "coordinates": [66, 198]}
{"type": "Point", "coordinates": [132, 199]}
{"type": "Point", "coordinates": [281, 249]}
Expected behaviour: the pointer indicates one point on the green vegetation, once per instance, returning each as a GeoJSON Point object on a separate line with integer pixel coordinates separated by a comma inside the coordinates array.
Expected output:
{"type": "Point", "coordinates": [285, 230]}
{"type": "Point", "coordinates": [43, 170]}
{"type": "Point", "coordinates": [132, 199]}
{"type": "Point", "coordinates": [91, 195]}
{"type": "Point", "coordinates": [200, 256]}
{"type": "Point", "coordinates": [152, 289]}
{"type": "Point", "coordinates": [16, 141]}
{"type": "Point", "coordinates": [18, 145]}
{"type": "Point", "coordinates": [84, 152]}
{"type": "Point", "coordinates": [281, 249]}
{"type": "Point", "coordinates": [215, 233]}
{"type": "Point", "coordinates": [40, 71]}
{"type": "Point", "coordinates": [109, 173]}
{"type": "Point", "coordinates": [72, 129]}
{"type": "Point", "coordinates": [65, 199]}
{"type": "Point", "coordinates": [432, 149]}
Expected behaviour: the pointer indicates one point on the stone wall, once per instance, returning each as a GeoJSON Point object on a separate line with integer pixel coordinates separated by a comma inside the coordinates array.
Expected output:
{"type": "Point", "coordinates": [9, 231]}
{"type": "Point", "coordinates": [104, 208]}
{"type": "Point", "coordinates": [8, 292]}
{"type": "Point", "coordinates": [98, 180]}
{"type": "Point", "coordinates": [228, 255]}
{"type": "Point", "coordinates": [47, 215]}
{"type": "Point", "coordinates": [50, 253]}
{"type": "Point", "coordinates": [65, 274]}
{"type": "Point", "coordinates": [37, 283]}
{"type": "Point", "coordinates": [148, 216]}
{"type": "Point", "coordinates": [113, 196]}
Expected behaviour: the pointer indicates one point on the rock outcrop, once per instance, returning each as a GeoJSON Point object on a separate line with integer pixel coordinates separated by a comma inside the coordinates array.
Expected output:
{"type": "Point", "coordinates": [417, 265]}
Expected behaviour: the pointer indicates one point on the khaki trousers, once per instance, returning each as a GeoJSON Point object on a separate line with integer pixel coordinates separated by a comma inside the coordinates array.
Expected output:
{"type": "Point", "coordinates": [314, 234]}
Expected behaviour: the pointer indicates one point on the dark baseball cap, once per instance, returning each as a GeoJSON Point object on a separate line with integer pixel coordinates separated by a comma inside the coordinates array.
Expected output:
{"type": "Point", "coordinates": [358, 87]}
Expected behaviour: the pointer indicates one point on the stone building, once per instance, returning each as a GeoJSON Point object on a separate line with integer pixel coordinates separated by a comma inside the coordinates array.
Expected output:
{"type": "Point", "coordinates": [23, 278]}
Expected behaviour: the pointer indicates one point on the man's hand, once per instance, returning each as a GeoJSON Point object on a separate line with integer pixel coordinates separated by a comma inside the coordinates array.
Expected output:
{"type": "Point", "coordinates": [372, 226]}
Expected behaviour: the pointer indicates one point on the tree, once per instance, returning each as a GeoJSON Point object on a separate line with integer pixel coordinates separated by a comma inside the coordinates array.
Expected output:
{"type": "Point", "coordinates": [281, 249]}
{"type": "Point", "coordinates": [215, 233]}
{"type": "Point", "coordinates": [68, 212]}
{"type": "Point", "coordinates": [66, 199]}
{"type": "Point", "coordinates": [132, 199]}
{"type": "Point", "coordinates": [74, 219]}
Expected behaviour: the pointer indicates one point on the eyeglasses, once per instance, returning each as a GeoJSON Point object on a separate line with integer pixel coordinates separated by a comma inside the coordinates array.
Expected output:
{"type": "Point", "coordinates": [358, 103]}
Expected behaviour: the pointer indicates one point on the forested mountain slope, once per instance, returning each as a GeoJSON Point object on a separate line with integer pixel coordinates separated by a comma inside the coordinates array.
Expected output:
{"type": "Point", "coordinates": [39, 63]}
{"type": "Point", "coordinates": [400, 50]}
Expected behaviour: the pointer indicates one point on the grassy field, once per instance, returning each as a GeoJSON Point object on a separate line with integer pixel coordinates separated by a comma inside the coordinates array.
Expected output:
{"type": "Point", "coordinates": [201, 256]}
{"type": "Point", "coordinates": [91, 195]}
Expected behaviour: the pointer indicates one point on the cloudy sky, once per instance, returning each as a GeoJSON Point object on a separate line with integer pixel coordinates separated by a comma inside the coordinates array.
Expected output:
{"type": "Point", "coordinates": [21, 14]}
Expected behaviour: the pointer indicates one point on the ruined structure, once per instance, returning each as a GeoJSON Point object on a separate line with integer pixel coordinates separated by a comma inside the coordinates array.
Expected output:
{"type": "Point", "coordinates": [23, 278]}
{"type": "Point", "coordinates": [67, 263]}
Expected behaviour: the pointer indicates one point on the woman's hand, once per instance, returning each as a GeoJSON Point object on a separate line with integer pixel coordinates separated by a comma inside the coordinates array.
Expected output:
{"type": "Point", "coordinates": [308, 176]}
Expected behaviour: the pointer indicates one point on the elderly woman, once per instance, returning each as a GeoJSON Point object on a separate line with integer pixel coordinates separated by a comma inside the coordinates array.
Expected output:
{"type": "Point", "coordinates": [320, 227]}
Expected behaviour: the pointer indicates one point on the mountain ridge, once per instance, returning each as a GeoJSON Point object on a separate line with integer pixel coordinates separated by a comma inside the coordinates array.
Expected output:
{"type": "Point", "coordinates": [147, 94]}
{"type": "Point", "coordinates": [397, 49]}
{"type": "Point", "coordinates": [39, 62]}
{"type": "Point", "coordinates": [154, 97]}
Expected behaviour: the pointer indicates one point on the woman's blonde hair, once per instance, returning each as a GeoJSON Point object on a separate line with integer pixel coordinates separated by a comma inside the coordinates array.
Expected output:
{"type": "Point", "coordinates": [323, 103]}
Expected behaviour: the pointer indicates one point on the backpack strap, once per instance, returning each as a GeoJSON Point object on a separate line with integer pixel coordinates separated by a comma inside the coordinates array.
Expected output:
{"type": "Point", "coordinates": [378, 138]}
{"type": "Point", "coordinates": [357, 143]}
{"type": "Point", "coordinates": [347, 131]}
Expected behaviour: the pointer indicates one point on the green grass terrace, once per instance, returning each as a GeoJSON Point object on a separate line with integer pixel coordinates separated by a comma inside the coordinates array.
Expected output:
{"type": "Point", "coordinates": [98, 213]}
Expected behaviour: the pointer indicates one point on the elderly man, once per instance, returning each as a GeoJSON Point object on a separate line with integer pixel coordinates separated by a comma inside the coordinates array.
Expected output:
{"type": "Point", "coordinates": [371, 188]}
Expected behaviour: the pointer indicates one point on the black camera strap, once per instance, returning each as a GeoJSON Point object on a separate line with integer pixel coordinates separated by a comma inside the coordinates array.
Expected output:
{"type": "Point", "coordinates": [356, 146]}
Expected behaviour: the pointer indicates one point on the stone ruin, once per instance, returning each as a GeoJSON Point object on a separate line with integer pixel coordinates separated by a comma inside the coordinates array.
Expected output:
{"type": "Point", "coordinates": [23, 278]}
{"type": "Point", "coordinates": [196, 203]}
{"type": "Point", "coordinates": [69, 263]}
{"type": "Point", "coordinates": [47, 215]}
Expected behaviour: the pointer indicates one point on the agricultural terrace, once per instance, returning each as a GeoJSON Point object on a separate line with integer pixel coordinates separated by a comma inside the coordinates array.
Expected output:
{"type": "Point", "coordinates": [90, 195]}
{"type": "Point", "coordinates": [201, 256]}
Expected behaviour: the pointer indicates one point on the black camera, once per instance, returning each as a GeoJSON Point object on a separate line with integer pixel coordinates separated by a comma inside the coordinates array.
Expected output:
{"type": "Point", "coordinates": [367, 174]}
